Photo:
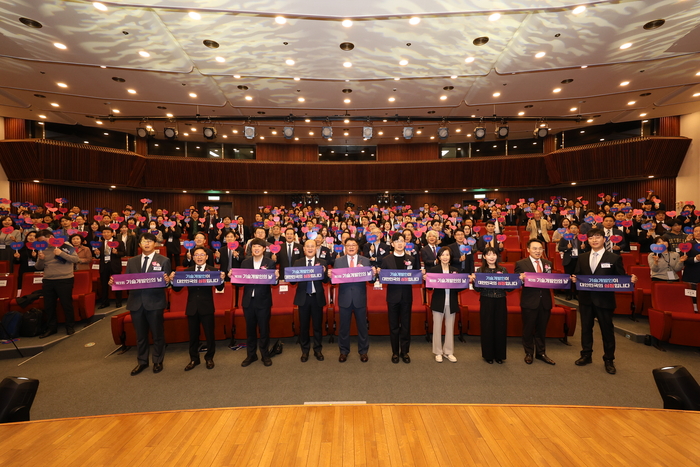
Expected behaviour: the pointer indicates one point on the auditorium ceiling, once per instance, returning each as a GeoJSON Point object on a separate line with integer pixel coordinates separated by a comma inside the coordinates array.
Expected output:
{"type": "Point", "coordinates": [121, 65]}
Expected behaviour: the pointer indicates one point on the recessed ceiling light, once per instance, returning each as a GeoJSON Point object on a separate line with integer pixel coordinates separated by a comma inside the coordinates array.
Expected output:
{"type": "Point", "coordinates": [391, 99]}
{"type": "Point", "coordinates": [194, 15]}
{"type": "Point", "coordinates": [469, 59]}
{"type": "Point", "coordinates": [631, 102]}
{"type": "Point", "coordinates": [697, 74]}
{"type": "Point", "coordinates": [542, 125]}
{"type": "Point", "coordinates": [58, 45]}
{"type": "Point", "coordinates": [296, 78]}
{"type": "Point", "coordinates": [186, 134]}
{"type": "Point", "coordinates": [86, 142]}
{"type": "Point", "coordinates": [62, 85]}
{"type": "Point", "coordinates": [496, 94]}
{"type": "Point", "coordinates": [645, 121]}
{"type": "Point", "coordinates": [414, 20]}
{"type": "Point", "coordinates": [347, 101]}
{"type": "Point", "coordinates": [432, 137]}
{"type": "Point", "coordinates": [464, 189]}
{"type": "Point", "coordinates": [397, 79]}
{"type": "Point", "coordinates": [453, 77]}
{"type": "Point", "coordinates": [573, 109]}
{"type": "Point", "coordinates": [311, 133]}
{"type": "Point", "coordinates": [624, 83]}
{"type": "Point", "coordinates": [248, 98]}
{"type": "Point", "coordinates": [194, 130]}
{"type": "Point", "coordinates": [235, 132]}
{"type": "Point", "coordinates": [626, 45]}
{"type": "Point", "coordinates": [116, 111]}
{"type": "Point", "coordinates": [556, 90]}
{"type": "Point", "coordinates": [590, 120]}
{"type": "Point", "coordinates": [643, 115]}
{"type": "Point", "coordinates": [225, 136]}
{"type": "Point", "coordinates": [458, 130]}
{"type": "Point", "coordinates": [220, 59]}
{"type": "Point", "coordinates": [99, 122]}
{"type": "Point", "coordinates": [347, 64]}
{"type": "Point", "coordinates": [469, 135]}
{"type": "Point", "coordinates": [346, 121]}
{"type": "Point", "coordinates": [403, 62]}
{"type": "Point", "coordinates": [426, 191]}
{"type": "Point", "coordinates": [262, 137]}
{"type": "Point", "coordinates": [573, 183]}
{"type": "Point", "coordinates": [418, 132]}
{"type": "Point", "coordinates": [346, 133]}
{"type": "Point", "coordinates": [54, 104]}
{"type": "Point", "coordinates": [442, 98]}
{"type": "Point", "coordinates": [539, 54]}
{"type": "Point", "coordinates": [131, 91]}
{"type": "Point", "coordinates": [144, 54]}
{"type": "Point", "coordinates": [346, 23]}
{"type": "Point", "coordinates": [380, 133]}
{"type": "Point", "coordinates": [584, 66]}
{"type": "Point", "coordinates": [36, 181]}
{"type": "Point", "coordinates": [579, 9]}
{"type": "Point", "coordinates": [495, 17]}
{"type": "Point", "coordinates": [237, 76]}
{"type": "Point", "coordinates": [280, 19]}
{"type": "Point", "coordinates": [289, 62]}
{"type": "Point", "coordinates": [99, 6]}
{"type": "Point", "coordinates": [169, 115]}
{"type": "Point", "coordinates": [274, 132]}
{"type": "Point", "coordinates": [193, 94]}
{"type": "Point", "coordinates": [113, 186]}
{"type": "Point", "coordinates": [521, 113]}
{"type": "Point", "coordinates": [301, 99]}
{"type": "Point", "coordinates": [696, 94]}
{"type": "Point", "coordinates": [42, 116]}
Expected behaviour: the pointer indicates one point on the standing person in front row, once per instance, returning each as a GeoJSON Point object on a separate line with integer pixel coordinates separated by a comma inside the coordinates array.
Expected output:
{"type": "Point", "coordinates": [310, 298]}
{"type": "Point", "coordinates": [536, 303]}
{"type": "Point", "coordinates": [147, 305]}
{"type": "Point", "coordinates": [599, 305]}
{"type": "Point", "coordinates": [444, 304]}
{"type": "Point", "coordinates": [257, 303]}
{"type": "Point", "coordinates": [200, 310]}
{"type": "Point", "coordinates": [352, 299]}
{"type": "Point", "coordinates": [399, 300]}
{"type": "Point", "coordinates": [493, 311]}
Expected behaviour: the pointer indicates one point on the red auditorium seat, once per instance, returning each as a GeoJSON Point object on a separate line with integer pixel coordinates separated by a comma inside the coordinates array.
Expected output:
{"type": "Point", "coordinates": [5, 267]}
{"type": "Point", "coordinates": [282, 312]}
{"type": "Point", "coordinates": [512, 248]}
{"type": "Point", "coordinates": [629, 260]}
{"type": "Point", "coordinates": [510, 267]}
{"type": "Point", "coordinates": [642, 289]}
{"type": "Point", "coordinates": [83, 298]}
{"type": "Point", "coordinates": [8, 291]}
{"type": "Point", "coordinates": [31, 282]}
{"type": "Point", "coordinates": [672, 317]}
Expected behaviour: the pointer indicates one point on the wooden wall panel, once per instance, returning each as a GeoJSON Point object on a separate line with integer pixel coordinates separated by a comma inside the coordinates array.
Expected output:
{"type": "Point", "coordinates": [408, 152]}
{"type": "Point", "coordinates": [289, 152]}
{"type": "Point", "coordinates": [669, 126]}
{"type": "Point", "coordinates": [21, 160]}
{"type": "Point", "coordinates": [15, 128]}
{"type": "Point", "coordinates": [141, 146]}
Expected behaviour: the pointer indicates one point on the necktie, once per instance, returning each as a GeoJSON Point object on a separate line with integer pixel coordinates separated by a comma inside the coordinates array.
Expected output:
{"type": "Point", "coordinates": [310, 284]}
{"type": "Point", "coordinates": [352, 261]}
{"type": "Point", "coordinates": [608, 244]}
{"type": "Point", "coordinates": [594, 261]}
{"type": "Point", "coordinates": [537, 263]}
{"type": "Point", "coordinates": [230, 258]}
{"type": "Point", "coordinates": [144, 267]}
{"type": "Point", "coordinates": [289, 253]}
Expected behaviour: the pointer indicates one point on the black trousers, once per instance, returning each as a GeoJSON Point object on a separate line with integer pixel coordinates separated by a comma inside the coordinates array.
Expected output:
{"type": "Point", "coordinates": [569, 269]}
{"type": "Point", "coordinates": [604, 315]}
{"type": "Point", "coordinates": [105, 274]}
{"type": "Point", "coordinates": [494, 323]}
{"type": "Point", "coordinates": [400, 327]}
{"type": "Point", "coordinates": [257, 317]}
{"type": "Point", "coordinates": [174, 259]}
{"type": "Point", "coordinates": [145, 320]}
{"type": "Point", "coordinates": [535, 328]}
{"type": "Point", "coordinates": [310, 312]}
{"type": "Point", "coordinates": [344, 329]}
{"type": "Point", "coordinates": [58, 289]}
{"type": "Point", "coordinates": [207, 323]}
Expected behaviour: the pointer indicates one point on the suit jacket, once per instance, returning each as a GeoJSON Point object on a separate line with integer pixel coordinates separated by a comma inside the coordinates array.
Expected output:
{"type": "Point", "coordinates": [437, 302]}
{"type": "Point", "coordinates": [235, 262]}
{"type": "Point", "coordinates": [300, 295]}
{"type": "Point", "coordinates": [210, 260]}
{"type": "Point", "coordinates": [532, 297]}
{"type": "Point", "coordinates": [455, 262]}
{"type": "Point", "coordinates": [691, 273]}
{"type": "Point", "coordinates": [544, 226]}
{"type": "Point", "coordinates": [115, 261]}
{"type": "Point", "coordinates": [481, 244]}
{"type": "Point", "coordinates": [326, 255]}
{"type": "Point", "coordinates": [150, 299]}
{"type": "Point", "coordinates": [210, 226]}
{"type": "Point", "coordinates": [130, 247]}
{"type": "Point", "coordinates": [616, 268]}
{"type": "Point", "coordinates": [172, 246]}
{"type": "Point", "coordinates": [200, 299]}
{"type": "Point", "coordinates": [397, 293]}
{"type": "Point", "coordinates": [564, 248]}
{"type": "Point", "coordinates": [623, 244]}
{"type": "Point", "coordinates": [428, 257]}
{"type": "Point", "coordinates": [283, 259]}
{"type": "Point", "coordinates": [263, 295]}
{"type": "Point", "coordinates": [376, 257]}
{"type": "Point", "coordinates": [353, 294]}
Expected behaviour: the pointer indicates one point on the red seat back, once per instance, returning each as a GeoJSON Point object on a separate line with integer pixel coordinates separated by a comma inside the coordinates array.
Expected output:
{"type": "Point", "coordinates": [178, 300]}
{"type": "Point", "coordinates": [31, 282]}
{"type": "Point", "coordinates": [510, 267]}
{"type": "Point", "coordinates": [671, 297]}
{"type": "Point", "coordinates": [513, 298]}
{"type": "Point", "coordinates": [83, 283]}
{"type": "Point", "coordinates": [376, 298]}
{"type": "Point", "coordinates": [470, 299]}
{"type": "Point", "coordinates": [643, 274]}
{"type": "Point", "coordinates": [8, 286]}
{"type": "Point", "coordinates": [629, 260]}
{"type": "Point", "coordinates": [282, 301]}
{"type": "Point", "coordinates": [224, 300]}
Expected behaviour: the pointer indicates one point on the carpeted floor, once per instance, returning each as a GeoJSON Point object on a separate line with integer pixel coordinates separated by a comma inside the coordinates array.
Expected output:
{"type": "Point", "coordinates": [76, 379]}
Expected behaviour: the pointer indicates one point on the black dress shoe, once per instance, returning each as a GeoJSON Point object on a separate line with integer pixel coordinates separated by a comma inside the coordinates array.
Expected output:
{"type": "Point", "coordinates": [139, 368]}
{"type": "Point", "coordinates": [210, 364]}
{"type": "Point", "coordinates": [342, 357]}
{"type": "Point", "coordinates": [304, 357]}
{"type": "Point", "coordinates": [248, 360]}
{"type": "Point", "coordinates": [157, 367]}
{"type": "Point", "coordinates": [48, 333]}
{"type": "Point", "coordinates": [191, 365]}
{"type": "Point", "coordinates": [584, 361]}
{"type": "Point", "coordinates": [364, 357]}
{"type": "Point", "coordinates": [394, 358]}
{"type": "Point", "coordinates": [406, 358]}
{"type": "Point", "coordinates": [610, 367]}
{"type": "Point", "coordinates": [69, 330]}
{"type": "Point", "coordinates": [528, 358]}
{"type": "Point", "coordinates": [104, 305]}
{"type": "Point", "coordinates": [318, 355]}
{"type": "Point", "coordinates": [489, 361]}
{"type": "Point", "coordinates": [267, 361]}
{"type": "Point", "coordinates": [499, 361]}
{"type": "Point", "coordinates": [119, 304]}
{"type": "Point", "coordinates": [545, 359]}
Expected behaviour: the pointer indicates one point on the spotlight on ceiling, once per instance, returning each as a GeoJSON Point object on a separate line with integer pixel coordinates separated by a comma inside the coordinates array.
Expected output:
{"type": "Point", "coordinates": [288, 132]}
{"type": "Point", "coordinates": [249, 132]}
{"type": "Point", "coordinates": [145, 132]}
{"type": "Point", "coordinates": [443, 132]}
{"type": "Point", "coordinates": [480, 132]}
{"type": "Point", "coordinates": [540, 132]}
{"type": "Point", "coordinates": [209, 132]}
{"type": "Point", "coordinates": [170, 132]}
{"type": "Point", "coordinates": [502, 132]}
{"type": "Point", "coordinates": [327, 132]}
{"type": "Point", "coordinates": [408, 132]}
{"type": "Point", "coordinates": [367, 132]}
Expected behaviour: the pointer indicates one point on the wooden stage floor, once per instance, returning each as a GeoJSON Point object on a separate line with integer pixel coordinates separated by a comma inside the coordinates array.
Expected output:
{"type": "Point", "coordinates": [357, 435]}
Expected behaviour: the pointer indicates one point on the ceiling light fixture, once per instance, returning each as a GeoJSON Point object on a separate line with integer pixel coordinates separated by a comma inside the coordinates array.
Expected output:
{"type": "Point", "coordinates": [58, 45]}
{"type": "Point", "coordinates": [346, 23]}
{"type": "Point", "coordinates": [62, 85]}
{"type": "Point", "coordinates": [327, 132]}
{"type": "Point", "coordinates": [540, 132]}
{"type": "Point", "coordinates": [480, 132]}
{"type": "Point", "coordinates": [249, 132]}
{"type": "Point", "coordinates": [392, 99]}
{"type": "Point", "coordinates": [495, 17]}
{"type": "Point", "coordinates": [539, 54]}
{"type": "Point", "coordinates": [144, 54]}
{"type": "Point", "coordinates": [443, 132]}
{"type": "Point", "coordinates": [209, 132]}
{"type": "Point", "coordinates": [556, 90]}
{"type": "Point", "coordinates": [288, 132]}
{"type": "Point", "coordinates": [289, 62]}
{"type": "Point", "coordinates": [469, 59]}
{"type": "Point", "coordinates": [403, 62]}
{"type": "Point", "coordinates": [579, 9]}
{"type": "Point", "coordinates": [496, 94]}
{"type": "Point", "coordinates": [280, 19]}
{"type": "Point", "coordinates": [99, 6]}
{"type": "Point", "coordinates": [170, 132]}
{"type": "Point", "coordinates": [502, 132]}
{"type": "Point", "coordinates": [131, 91]}
{"type": "Point", "coordinates": [194, 15]}
{"type": "Point", "coordinates": [220, 59]}
{"type": "Point", "coordinates": [347, 64]}
{"type": "Point", "coordinates": [301, 99]}
{"type": "Point", "coordinates": [414, 20]}
{"type": "Point", "coordinates": [626, 45]}
{"type": "Point", "coordinates": [624, 83]}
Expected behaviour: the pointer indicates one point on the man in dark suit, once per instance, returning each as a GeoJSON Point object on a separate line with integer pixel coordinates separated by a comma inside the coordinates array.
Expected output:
{"type": "Point", "coordinates": [243, 230]}
{"type": "Point", "coordinates": [200, 310]}
{"type": "Point", "coordinates": [377, 250]}
{"type": "Point", "coordinates": [257, 302]}
{"type": "Point", "coordinates": [535, 303]}
{"type": "Point", "coordinates": [229, 259]}
{"type": "Point", "coordinates": [209, 222]}
{"type": "Point", "coordinates": [599, 305]}
{"type": "Point", "coordinates": [691, 273]}
{"type": "Point", "coordinates": [323, 252]}
{"type": "Point", "coordinates": [110, 263]}
{"type": "Point", "coordinates": [399, 300]}
{"type": "Point", "coordinates": [481, 244]}
{"type": "Point", "coordinates": [291, 251]}
{"type": "Point", "coordinates": [147, 305]}
{"type": "Point", "coordinates": [463, 262]}
{"type": "Point", "coordinates": [310, 299]}
{"type": "Point", "coordinates": [428, 253]}
{"type": "Point", "coordinates": [571, 249]}
{"type": "Point", "coordinates": [609, 230]}
{"type": "Point", "coordinates": [352, 298]}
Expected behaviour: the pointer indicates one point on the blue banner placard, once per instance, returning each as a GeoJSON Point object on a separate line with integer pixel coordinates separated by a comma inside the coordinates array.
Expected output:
{"type": "Point", "coordinates": [605, 283]}
{"type": "Point", "coordinates": [303, 273]}
{"type": "Point", "coordinates": [400, 276]}
{"type": "Point", "coordinates": [197, 278]}
{"type": "Point", "coordinates": [488, 280]}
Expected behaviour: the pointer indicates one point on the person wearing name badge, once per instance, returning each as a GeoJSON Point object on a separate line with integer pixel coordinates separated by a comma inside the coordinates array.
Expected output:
{"type": "Point", "coordinates": [557, 235]}
{"type": "Point", "coordinates": [260, 234]}
{"type": "Point", "coordinates": [153, 229]}
{"type": "Point", "coordinates": [482, 244]}
{"type": "Point", "coordinates": [665, 264]}
{"type": "Point", "coordinates": [464, 262]}
{"type": "Point", "coordinates": [675, 236]}
{"type": "Point", "coordinates": [493, 310]}
{"type": "Point", "coordinates": [429, 252]}
{"type": "Point", "coordinates": [598, 305]}
{"type": "Point", "coordinates": [83, 252]}
{"type": "Point", "coordinates": [609, 230]}
{"type": "Point", "coordinates": [229, 258]}
{"type": "Point", "coordinates": [10, 234]}
{"type": "Point", "coordinates": [200, 240]}
{"type": "Point", "coordinates": [535, 303]}
{"type": "Point", "coordinates": [171, 237]}
{"type": "Point", "coordinates": [146, 305]}
{"type": "Point", "coordinates": [377, 250]}
{"type": "Point", "coordinates": [128, 238]}
{"type": "Point", "coordinates": [538, 227]}
{"type": "Point", "coordinates": [352, 299]}
{"type": "Point", "coordinates": [411, 238]}
{"type": "Point", "coordinates": [570, 251]}
{"type": "Point", "coordinates": [323, 252]}
{"type": "Point", "coordinates": [310, 299]}
{"type": "Point", "coordinates": [110, 263]}
{"type": "Point", "coordinates": [257, 303]}
{"type": "Point", "coordinates": [399, 299]}
{"type": "Point", "coordinates": [57, 264]}
{"type": "Point", "coordinates": [691, 274]}
{"type": "Point", "coordinates": [290, 251]}
{"type": "Point", "coordinates": [26, 258]}
{"type": "Point", "coordinates": [200, 311]}
{"type": "Point", "coordinates": [444, 304]}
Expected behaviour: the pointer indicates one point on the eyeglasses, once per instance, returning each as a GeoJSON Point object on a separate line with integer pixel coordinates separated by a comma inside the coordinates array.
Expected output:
{"type": "Point", "coordinates": [200, 256]}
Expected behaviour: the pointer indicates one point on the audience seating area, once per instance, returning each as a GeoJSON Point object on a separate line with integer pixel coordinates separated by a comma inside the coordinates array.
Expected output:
{"type": "Point", "coordinates": [672, 315]}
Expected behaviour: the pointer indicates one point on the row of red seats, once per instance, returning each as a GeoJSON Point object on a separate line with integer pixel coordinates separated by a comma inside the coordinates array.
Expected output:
{"type": "Point", "coordinates": [672, 314]}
